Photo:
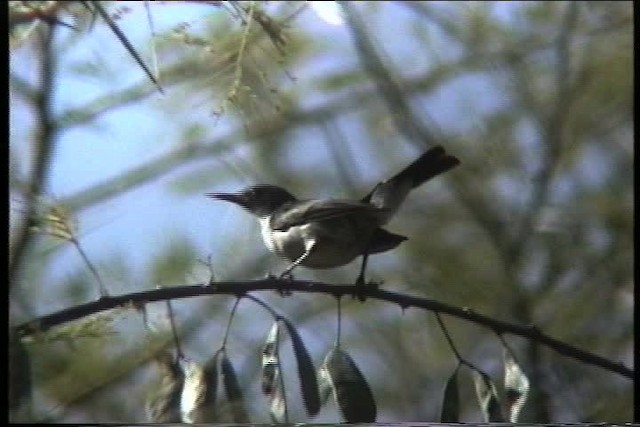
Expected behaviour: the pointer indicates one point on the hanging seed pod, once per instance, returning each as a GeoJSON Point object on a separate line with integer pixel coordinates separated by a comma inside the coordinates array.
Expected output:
{"type": "Point", "coordinates": [340, 374]}
{"type": "Point", "coordinates": [487, 397]}
{"type": "Point", "coordinates": [163, 402]}
{"type": "Point", "coordinates": [272, 381]}
{"type": "Point", "coordinates": [306, 371]}
{"type": "Point", "coordinates": [516, 386]}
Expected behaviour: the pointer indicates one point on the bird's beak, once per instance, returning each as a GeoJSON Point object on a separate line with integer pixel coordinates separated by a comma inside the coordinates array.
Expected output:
{"type": "Point", "coordinates": [236, 198]}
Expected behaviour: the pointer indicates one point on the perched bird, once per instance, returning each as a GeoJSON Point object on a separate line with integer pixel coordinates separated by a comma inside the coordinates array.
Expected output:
{"type": "Point", "coordinates": [329, 233]}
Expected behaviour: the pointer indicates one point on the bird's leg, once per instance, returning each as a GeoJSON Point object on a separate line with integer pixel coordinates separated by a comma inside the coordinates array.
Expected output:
{"type": "Point", "coordinates": [360, 283]}
{"type": "Point", "coordinates": [286, 274]}
{"type": "Point", "coordinates": [360, 280]}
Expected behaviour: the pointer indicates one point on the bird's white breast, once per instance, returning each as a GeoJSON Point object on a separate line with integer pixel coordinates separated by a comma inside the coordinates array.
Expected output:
{"type": "Point", "coordinates": [333, 246]}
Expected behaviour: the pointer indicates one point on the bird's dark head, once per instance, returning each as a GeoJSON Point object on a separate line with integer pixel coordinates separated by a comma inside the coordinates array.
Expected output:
{"type": "Point", "coordinates": [261, 200]}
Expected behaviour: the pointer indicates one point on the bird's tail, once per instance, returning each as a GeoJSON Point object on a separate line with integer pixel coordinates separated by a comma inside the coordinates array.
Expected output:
{"type": "Point", "coordinates": [391, 193]}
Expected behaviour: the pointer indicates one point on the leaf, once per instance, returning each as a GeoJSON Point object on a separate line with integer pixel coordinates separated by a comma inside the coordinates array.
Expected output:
{"type": "Point", "coordinates": [163, 403]}
{"type": "Point", "coordinates": [198, 398]}
{"type": "Point", "coordinates": [278, 402]}
{"type": "Point", "coordinates": [272, 381]}
{"type": "Point", "coordinates": [325, 385]}
{"type": "Point", "coordinates": [487, 397]}
{"type": "Point", "coordinates": [19, 378]}
{"type": "Point", "coordinates": [270, 362]}
{"type": "Point", "coordinates": [516, 385]}
{"type": "Point", "coordinates": [211, 376]}
{"type": "Point", "coordinates": [233, 391]}
{"type": "Point", "coordinates": [349, 387]}
{"type": "Point", "coordinates": [451, 401]}
{"type": "Point", "coordinates": [306, 372]}
{"type": "Point", "coordinates": [193, 390]}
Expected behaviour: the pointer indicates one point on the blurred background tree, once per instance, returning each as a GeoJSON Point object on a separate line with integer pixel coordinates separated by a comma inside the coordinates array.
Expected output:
{"type": "Point", "coordinates": [535, 226]}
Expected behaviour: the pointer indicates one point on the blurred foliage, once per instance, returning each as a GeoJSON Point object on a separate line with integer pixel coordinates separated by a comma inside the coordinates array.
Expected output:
{"type": "Point", "coordinates": [534, 227]}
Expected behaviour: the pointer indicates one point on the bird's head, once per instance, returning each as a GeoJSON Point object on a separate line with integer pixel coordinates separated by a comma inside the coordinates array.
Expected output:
{"type": "Point", "coordinates": [261, 200]}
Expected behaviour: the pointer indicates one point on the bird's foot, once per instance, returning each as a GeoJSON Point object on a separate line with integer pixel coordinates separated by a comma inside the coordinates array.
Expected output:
{"type": "Point", "coordinates": [362, 287]}
{"type": "Point", "coordinates": [286, 275]}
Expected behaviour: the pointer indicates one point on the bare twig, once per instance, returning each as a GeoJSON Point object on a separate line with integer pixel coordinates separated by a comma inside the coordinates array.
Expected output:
{"type": "Point", "coordinates": [231, 316]}
{"type": "Point", "coordinates": [448, 337]}
{"type": "Point", "coordinates": [123, 39]}
{"type": "Point", "coordinates": [174, 330]}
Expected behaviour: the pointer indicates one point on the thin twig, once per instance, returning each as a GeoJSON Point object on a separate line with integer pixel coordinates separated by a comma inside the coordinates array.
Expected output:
{"type": "Point", "coordinates": [339, 320]}
{"type": "Point", "coordinates": [264, 305]}
{"type": "Point", "coordinates": [174, 331]}
{"type": "Point", "coordinates": [124, 40]}
{"type": "Point", "coordinates": [154, 36]}
{"type": "Point", "coordinates": [101, 286]}
{"type": "Point", "coordinates": [448, 337]}
{"type": "Point", "coordinates": [231, 316]}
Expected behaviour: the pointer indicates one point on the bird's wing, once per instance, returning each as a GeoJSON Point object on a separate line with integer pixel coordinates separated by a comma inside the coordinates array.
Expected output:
{"type": "Point", "coordinates": [302, 212]}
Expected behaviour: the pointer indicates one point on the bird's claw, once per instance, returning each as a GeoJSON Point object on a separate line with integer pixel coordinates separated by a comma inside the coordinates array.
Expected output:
{"type": "Point", "coordinates": [361, 288]}
{"type": "Point", "coordinates": [287, 275]}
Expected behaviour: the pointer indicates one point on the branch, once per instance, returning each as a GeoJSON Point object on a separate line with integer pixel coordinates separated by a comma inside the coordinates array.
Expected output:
{"type": "Point", "coordinates": [551, 119]}
{"type": "Point", "coordinates": [123, 39]}
{"type": "Point", "coordinates": [43, 147]}
{"type": "Point", "coordinates": [532, 333]}
{"type": "Point", "coordinates": [400, 110]}
{"type": "Point", "coordinates": [164, 164]}
{"type": "Point", "coordinates": [295, 118]}
{"type": "Point", "coordinates": [419, 130]}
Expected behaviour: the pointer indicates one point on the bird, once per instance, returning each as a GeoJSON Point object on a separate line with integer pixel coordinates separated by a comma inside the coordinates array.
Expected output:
{"type": "Point", "coordinates": [329, 233]}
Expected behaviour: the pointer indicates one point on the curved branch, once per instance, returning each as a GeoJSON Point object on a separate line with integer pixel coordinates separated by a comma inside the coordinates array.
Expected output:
{"type": "Point", "coordinates": [240, 288]}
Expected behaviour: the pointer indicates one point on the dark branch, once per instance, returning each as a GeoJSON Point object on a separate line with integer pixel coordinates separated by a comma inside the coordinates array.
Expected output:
{"type": "Point", "coordinates": [240, 288]}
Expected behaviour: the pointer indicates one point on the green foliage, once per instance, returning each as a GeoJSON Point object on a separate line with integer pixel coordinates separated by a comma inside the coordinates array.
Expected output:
{"type": "Point", "coordinates": [534, 227]}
